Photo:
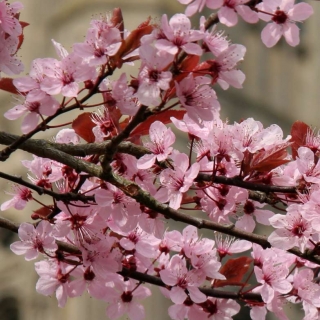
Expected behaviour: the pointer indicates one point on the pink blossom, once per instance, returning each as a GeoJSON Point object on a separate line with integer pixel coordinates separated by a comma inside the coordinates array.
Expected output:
{"type": "Point", "coordinates": [9, 64]}
{"type": "Point", "coordinates": [63, 76]}
{"type": "Point", "coordinates": [308, 168]}
{"type": "Point", "coordinates": [83, 220]}
{"type": "Point", "coordinates": [292, 229]}
{"type": "Point", "coordinates": [214, 41]}
{"type": "Point", "coordinates": [161, 139]}
{"type": "Point", "coordinates": [21, 195]}
{"type": "Point", "coordinates": [34, 240]}
{"type": "Point", "coordinates": [199, 99]}
{"type": "Point", "coordinates": [179, 35]}
{"type": "Point", "coordinates": [122, 209]}
{"type": "Point", "coordinates": [177, 181]}
{"type": "Point", "coordinates": [224, 67]}
{"type": "Point", "coordinates": [228, 245]}
{"type": "Point", "coordinates": [228, 12]}
{"type": "Point", "coordinates": [179, 278]}
{"type": "Point", "coordinates": [8, 23]}
{"type": "Point", "coordinates": [140, 241]}
{"type": "Point", "coordinates": [33, 107]}
{"type": "Point", "coordinates": [195, 6]}
{"type": "Point", "coordinates": [152, 75]}
{"type": "Point", "coordinates": [118, 93]}
{"type": "Point", "coordinates": [250, 210]}
{"type": "Point", "coordinates": [284, 15]}
{"type": "Point", "coordinates": [54, 277]}
{"type": "Point", "coordinates": [273, 278]}
{"type": "Point", "coordinates": [99, 45]}
{"type": "Point", "coordinates": [215, 309]}
{"type": "Point", "coordinates": [124, 297]}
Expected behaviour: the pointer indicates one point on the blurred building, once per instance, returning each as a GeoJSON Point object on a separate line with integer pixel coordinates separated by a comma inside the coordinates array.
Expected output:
{"type": "Point", "coordinates": [281, 87]}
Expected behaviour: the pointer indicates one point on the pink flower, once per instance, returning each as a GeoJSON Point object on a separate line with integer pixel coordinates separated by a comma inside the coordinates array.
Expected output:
{"type": "Point", "coordinates": [178, 181]}
{"type": "Point", "coordinates": [8, 23]}
{"type": "Point", "coordinates": [33, 107]}
{"type": "Point", "coordinates": [179, 35]}
{"type": "Point", "coordinates": [228, 245]}
{"type": "Point", "coordinates": [228, 12]}
{"type": "Point", "coordinates": [161, 139]}
{"type": "Point", "coordinates": [195, 6]}
{"type": "Point", "coordinates": [215, 309]}
{"type": "Point", "coordinates": [152, 77]}
{"type": "Point", "coordinates": [292, 229]}
{"type": "Point", "coordinates": [224, 67]}
{"type": "Point", "coordinates": [34, 240]}
{"type": "Point", "coordinates": [273, 278]}
{"type": "Point", "coordinates": [100, 44]}
{"type": "Point", "coordinates": [63, 76]}
{"type": "Point", "coordinates": [180, 279]}
{"type": "Point", "coordinates": [250, 210]}
{"type": "Point", "coordinates": [198, 97]}
{"type": "Point", "coordinates": [124, 297]}
{"type": "Point", "coordinates": [284, 15]}
{"type": "Point", "coordinates": [9, 64]}
{"type": "Point", "coordinates": [21, 195]}
{"type": "Point", "coordinates": [54, 277]}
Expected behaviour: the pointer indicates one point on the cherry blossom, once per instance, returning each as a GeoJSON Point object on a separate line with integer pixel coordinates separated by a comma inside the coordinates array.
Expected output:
{"type": "Point", "coordinates": [34, 240]}
{"type": "Point", "coordinates": [177, 181]}
{"type": "Point", "coordinates": [179, 35]}
{"type": "Point", "coordinates": [177, 276]}
{"type": "Point", "coordinates": [197, 97]}
{"type": "Point", "coordinates": [291, 229]}
{"type": "Point", "coordinates": [161, 139]}
{"type": "Point", "coordinates": [152, 77]}
{"type": "Point", "coordinates": [124, 297]}
{"type": "Point", "coordinates": [21, 195]}
{"type": "Point", "coordinates": [284, 14]}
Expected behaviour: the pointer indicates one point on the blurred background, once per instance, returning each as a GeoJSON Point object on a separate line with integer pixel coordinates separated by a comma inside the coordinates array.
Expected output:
{"type": "Point", "coordinates": [281, 87]}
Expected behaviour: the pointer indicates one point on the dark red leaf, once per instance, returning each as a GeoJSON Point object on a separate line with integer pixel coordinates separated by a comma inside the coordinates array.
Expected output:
{"type": "Point", "coordinates": [164, 117]}
{"type": "Point", "coordinates": [6, 84]}
{"type": "Point", "coordinates": [83, 125]}
{"type": "Point", "coordinates": [234, 270]}
{"type": "Point", "coordinates": [270, 159]}
{"type": "Point", "coordinates": [299, 132]}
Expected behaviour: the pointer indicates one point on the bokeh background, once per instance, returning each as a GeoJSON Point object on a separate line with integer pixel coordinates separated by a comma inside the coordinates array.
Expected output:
{"type": "Point", "coordinates": [282, 86]}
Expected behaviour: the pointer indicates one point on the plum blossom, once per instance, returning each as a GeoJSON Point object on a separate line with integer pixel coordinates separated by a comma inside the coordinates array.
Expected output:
{"type": "Point", "coordinates": [33, 108]}
{"type": "Point", "coordinates": [118, 93]}
{"type": "Point", "coordinates": [152, 75]}
{"type": "Point", "coordinates": [179, 35]}
{"type": "Point", "coordinates": [9, 64]}
{"type": "Point", "coordinates": [177, 275]}
{"type": "Point", "coordinates": [284, 14]}
{"type": "Point", "coordinates": [54, 277]}
{"type": "Point", "coordinates": [124, 297]}
{"type": "Point", "coordinates": [21, 195]}
{"type": "Point", "coordinates": [63, 76]}
{"type": "Point", "coordinates": [272, 278]}
{"type": "Point", "coordinates": [215, 309]}
{"type": "Point", "coordinates": [291, 229]}
{"type": "Point", "coordinates": [177, 181]}
{"type": "Point", "coordinates": [223, 68]}
{"type": "Point", "coordinates": [161, 139]}
{"type": "Point", "coordinates": [34, 240]}
{"type": "Point", "coordinates": [8, 22]}
{"type": "Point", "coordinates": [250, 210]}
{"type": "Point", "coordinates": [99, 45]}
{"type": "Point", "coordinates": [198, 98]}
